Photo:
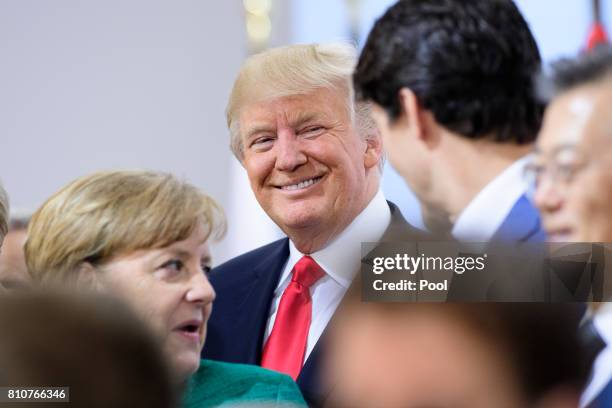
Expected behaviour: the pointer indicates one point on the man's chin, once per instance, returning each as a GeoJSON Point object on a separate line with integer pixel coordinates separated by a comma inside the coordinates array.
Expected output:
{"type": "Point", "coordinates": [299, 218]}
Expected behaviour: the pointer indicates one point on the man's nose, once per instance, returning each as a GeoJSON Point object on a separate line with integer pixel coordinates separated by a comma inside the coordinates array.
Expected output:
{"type": "Point", "coordinates": [548, 196]}
{"type": "Point", "coordinates": [289, 154]}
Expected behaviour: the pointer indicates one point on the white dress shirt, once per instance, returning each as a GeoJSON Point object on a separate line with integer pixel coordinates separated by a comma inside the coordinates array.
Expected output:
{"type": "Point", "coordinates": [341, 260]}
{"type": "Point", "coordinates": [602, 367]}
{"type": "Point", "coordinates": [483, 216]}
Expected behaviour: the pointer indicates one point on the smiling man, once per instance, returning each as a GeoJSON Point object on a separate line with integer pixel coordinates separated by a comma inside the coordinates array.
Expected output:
{"type": "Point", "coordinates": [572, 167]}
{"type": "Point", "coordinates": [572, 175]}
{"type": "Point", "coordinates": [313, 159]}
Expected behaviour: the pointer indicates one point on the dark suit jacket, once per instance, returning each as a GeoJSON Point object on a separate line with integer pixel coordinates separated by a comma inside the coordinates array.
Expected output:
{"type": "Point", "coordinates": [245, 286]}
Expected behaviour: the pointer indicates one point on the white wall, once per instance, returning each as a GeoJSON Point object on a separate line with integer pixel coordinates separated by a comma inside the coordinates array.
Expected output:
{"type": "Point", "coordinates": [88, 85]}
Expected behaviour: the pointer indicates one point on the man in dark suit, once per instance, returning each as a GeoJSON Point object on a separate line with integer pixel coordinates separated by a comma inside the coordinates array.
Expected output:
{"type": "Point", "coordinates": [453, 97]}
{"type": "Point", "coordinates": [313, 158]}
{"type": "Point", "coordinates": [572, 175]}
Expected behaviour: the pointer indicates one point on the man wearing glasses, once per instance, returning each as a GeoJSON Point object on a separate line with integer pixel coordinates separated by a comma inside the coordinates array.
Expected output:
{"type": "Point", "coordinates": [571, 172]}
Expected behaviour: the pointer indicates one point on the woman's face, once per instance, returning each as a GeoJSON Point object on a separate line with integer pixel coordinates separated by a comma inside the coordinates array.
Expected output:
{"type": "Point", "coordinates": [170, 289]}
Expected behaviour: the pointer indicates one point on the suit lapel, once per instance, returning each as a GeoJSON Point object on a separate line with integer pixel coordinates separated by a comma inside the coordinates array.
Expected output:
{"type": "Point", "coordinates": [253, 302]}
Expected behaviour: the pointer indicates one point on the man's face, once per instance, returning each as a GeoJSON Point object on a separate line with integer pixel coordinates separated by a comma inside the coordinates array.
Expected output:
{"type": "Point", "coordinates": [573, 166]}
{"type": "Point", "coordinates": [306, 163]}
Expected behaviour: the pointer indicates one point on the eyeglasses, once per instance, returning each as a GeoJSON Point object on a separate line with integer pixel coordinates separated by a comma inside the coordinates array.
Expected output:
{"type": "Point", "coordinates": [558, 173]}
{"type": "Point", "coordinates": [560, 169]}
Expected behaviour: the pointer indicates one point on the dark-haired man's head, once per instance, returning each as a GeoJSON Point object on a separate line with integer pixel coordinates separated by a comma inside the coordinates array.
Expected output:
{"type": "Point", "coordinates": [452, 84]}
{"type": "Point", "coordinates": [572, 166]}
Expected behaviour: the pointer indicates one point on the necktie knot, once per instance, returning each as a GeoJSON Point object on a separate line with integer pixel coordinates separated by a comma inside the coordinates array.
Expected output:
{"type": "Point", "coordinates": [307, 272]}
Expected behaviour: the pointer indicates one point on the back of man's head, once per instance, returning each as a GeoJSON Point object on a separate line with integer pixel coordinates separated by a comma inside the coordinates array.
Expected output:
{"type": "Point", "coordinates": [471, 63]}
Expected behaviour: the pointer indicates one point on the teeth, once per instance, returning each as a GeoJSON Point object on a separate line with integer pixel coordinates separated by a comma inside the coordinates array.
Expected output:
{"type": "Point", "coordinates": [302, 184]}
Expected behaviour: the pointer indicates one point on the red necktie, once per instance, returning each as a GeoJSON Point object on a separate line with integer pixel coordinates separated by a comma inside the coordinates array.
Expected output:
{"type": "Point", "coordinates": [286, 346]}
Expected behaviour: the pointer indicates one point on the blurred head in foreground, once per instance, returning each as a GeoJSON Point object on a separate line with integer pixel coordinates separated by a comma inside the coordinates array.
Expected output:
{"type": "Point", "coordinates": [142, 236]}
{"type": "Point", "coordinates": [92, 344]}
{"type": "Point", "coordinates": [422, 355]}
{"type": "Point", "coordinates": [13, 270]}
{"type": "Point", "coordinates": [572, 166]}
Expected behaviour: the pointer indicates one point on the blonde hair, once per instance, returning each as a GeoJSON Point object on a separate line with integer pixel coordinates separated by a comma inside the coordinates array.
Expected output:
{"type": "Point", "coordinates": [106, 214]}
{"type": "Point", "coordinates": [296, 70]}
{"type": "Point", "coordinates": [4, 213]}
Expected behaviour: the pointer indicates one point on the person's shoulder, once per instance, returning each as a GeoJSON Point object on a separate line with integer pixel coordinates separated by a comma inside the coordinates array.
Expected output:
{"type": "Point", "coordinates": [217, 382]}
{"type": "Point", "coordinates": [401, 230]}
{"type": "Point", "coordinates": [253, 257]}
{"type": "Point", "coordinates": [249, 261]}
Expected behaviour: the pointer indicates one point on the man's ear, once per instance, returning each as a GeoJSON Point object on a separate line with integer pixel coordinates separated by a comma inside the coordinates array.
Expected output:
{"type": "Point", "coordinates": [418, 120]}
{"type": "Point", "coordinates": [88, 277]}
{"type": "Point", "coordinates": [374, 149]}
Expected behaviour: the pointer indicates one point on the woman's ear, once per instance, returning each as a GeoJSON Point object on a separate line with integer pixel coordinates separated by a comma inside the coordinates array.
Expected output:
{"type": "Point", "coordinates": [88, 277]}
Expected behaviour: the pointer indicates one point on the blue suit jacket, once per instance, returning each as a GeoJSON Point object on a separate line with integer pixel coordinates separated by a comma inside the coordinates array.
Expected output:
{"type": "Point", "coordinates": [245, 287]}
{"type": "Point", "coordinates": [522, 224]}
{"type": "Point", "coordinates": [604, 399]}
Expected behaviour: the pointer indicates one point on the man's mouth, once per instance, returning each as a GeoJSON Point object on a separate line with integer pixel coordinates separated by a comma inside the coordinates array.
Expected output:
{"type": "Point", "coordinates": [560, 235]}
{"type": "Point", "coordinates": [301, 185]}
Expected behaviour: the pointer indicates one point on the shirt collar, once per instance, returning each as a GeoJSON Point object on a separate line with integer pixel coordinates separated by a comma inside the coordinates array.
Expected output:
{"type": "Point", "coordinates": [603, 322]}
{"type": "Point", "coordinates": [341, 259]}
{"type": "Point", "coordinates": [487, 211]}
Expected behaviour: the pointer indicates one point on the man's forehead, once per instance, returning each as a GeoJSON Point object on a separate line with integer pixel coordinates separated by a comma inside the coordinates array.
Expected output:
{"type": "Point", "coordinates": [571, 119]}
{"type": "Point", "coordinates": [292, 110]}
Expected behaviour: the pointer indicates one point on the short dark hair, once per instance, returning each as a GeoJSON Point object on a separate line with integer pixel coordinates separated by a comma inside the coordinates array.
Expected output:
{"type": "Point", "coordinates": [471, 63]}
{"type": "Point", "coordinates": [567, 73]}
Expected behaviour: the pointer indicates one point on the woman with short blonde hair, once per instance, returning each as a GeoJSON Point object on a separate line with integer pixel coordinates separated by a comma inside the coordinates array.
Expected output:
{"type": "Point", "coordinates": [143, 236]}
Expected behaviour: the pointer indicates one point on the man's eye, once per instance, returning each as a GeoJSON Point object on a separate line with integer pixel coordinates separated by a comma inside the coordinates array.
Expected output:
{"type": "Point", "coordinates": [312, 130]}
{"type": "Point", "coordinates": [566, 171]}
{"type": "Point", "coordinates": [206, 268]}
{"type": "Point", "coordinates": [261, 141]}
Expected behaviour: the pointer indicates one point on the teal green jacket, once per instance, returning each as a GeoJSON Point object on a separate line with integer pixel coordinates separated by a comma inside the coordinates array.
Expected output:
{"type": "Point", "coordinates": [217, 384]}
